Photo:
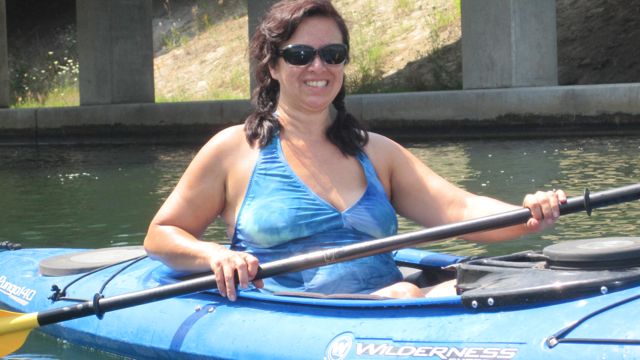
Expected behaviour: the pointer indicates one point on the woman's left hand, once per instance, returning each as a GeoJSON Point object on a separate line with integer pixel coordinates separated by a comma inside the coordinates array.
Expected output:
{"type": "Point", "coordinates": [545, 208]}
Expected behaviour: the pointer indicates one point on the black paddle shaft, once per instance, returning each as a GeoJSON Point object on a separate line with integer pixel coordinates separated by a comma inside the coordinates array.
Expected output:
{"type": "Point", "coordinates": [99, 306]}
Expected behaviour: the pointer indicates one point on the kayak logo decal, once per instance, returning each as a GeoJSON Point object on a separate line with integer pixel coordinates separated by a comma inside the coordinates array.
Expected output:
{"type": "Point", "coordinates": [20, 294]}
{"type": "Point", "coordinates": [341, 346]}
{"type": "Point", "coordinates": [435, 352]}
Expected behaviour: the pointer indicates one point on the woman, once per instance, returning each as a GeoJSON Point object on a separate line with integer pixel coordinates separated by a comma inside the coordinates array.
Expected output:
{"type": "Point", "coordinates": [295, 179]}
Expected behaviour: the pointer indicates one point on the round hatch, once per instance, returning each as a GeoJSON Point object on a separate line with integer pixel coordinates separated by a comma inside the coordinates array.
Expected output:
{"type": "Point", "coordinates": [87, 260]}
{"type": "Point", "coordinates": [598, 252]}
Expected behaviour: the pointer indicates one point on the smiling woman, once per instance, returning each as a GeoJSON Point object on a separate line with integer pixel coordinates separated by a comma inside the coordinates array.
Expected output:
{"type": "Point", "coordinates": [296, 179]}
{"type": "Point", "coordinates": [310, 86]}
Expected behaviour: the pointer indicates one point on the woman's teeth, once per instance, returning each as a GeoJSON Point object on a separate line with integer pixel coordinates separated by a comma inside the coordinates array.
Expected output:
{"type": "Point", "coordinates": [321, 83]}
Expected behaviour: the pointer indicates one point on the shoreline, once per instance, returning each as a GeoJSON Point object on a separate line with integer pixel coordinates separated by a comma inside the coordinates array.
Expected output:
{"type": "Point", "coordinates": [612, 109]}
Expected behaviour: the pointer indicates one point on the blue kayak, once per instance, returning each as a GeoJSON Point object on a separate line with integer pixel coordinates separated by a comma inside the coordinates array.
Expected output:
{"type": "Point", "coordinates": [573, 300]}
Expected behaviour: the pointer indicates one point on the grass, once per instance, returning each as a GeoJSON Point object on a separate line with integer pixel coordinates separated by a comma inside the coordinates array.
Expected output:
{"type": "Point", "coordinates": [367, 56]}
{"type": "Point", "coordinates": [443, 77]}
{"type": "Point", "coordinates": [49, 78]}
{"type": "Point", "coordinates": [403, 7]}
{"type": "Point", "coordinates": [46, 76]}
{"type": "Point", "coordinates": [68, 96]}
{"type": "Point", "coordinates": [174, 39]}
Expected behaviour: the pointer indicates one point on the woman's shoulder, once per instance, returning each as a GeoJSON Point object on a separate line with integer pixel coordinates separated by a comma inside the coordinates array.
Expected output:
{"type": "Point", "coordinates": [229, 134]}
{"type": "Point", "coordinates": [384, 154]}
{"type": "Point", "coordinates": [227, 144]}
{"type": "Point", "coordinates": [380, 146]}
{"type": "Point", "coordinates": [228, 139]}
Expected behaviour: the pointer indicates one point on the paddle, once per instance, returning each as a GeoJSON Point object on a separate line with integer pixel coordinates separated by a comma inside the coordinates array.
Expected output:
{"type": "Point", "coordinates": [15, 327]}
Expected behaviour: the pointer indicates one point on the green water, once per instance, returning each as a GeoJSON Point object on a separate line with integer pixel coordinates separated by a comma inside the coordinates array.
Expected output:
{"type": "Point", "coordinates": [97, 196]}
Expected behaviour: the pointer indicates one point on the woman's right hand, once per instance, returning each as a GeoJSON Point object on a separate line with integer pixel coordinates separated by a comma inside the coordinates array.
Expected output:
{"type": "Point", "coordinates": [226, 263]}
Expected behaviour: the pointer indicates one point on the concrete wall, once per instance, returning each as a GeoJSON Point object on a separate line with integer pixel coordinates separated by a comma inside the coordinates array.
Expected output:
{"type": "Point", "coordinates": [520, 112]}
{"type": "Point", "coordinates": [4, 66]}
{"type": "Point", "coordinates": [115, 46]}
{"type": "Point", "coordinates": [509, 43]}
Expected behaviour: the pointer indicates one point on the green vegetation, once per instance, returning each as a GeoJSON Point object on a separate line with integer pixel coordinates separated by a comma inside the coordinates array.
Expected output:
{"type": "Point", "coordinates": [403, 7]}
{"type": "Point", "coordinates": [443, 78]}
{"type": "Point", "coordinates": [174, 39]}
{"type": "Point", "coordinates": [367, 54]}
{"type": "Point", "coordinates": [46, 77]}
{"type": "Point", "coordinates": [413, 47]}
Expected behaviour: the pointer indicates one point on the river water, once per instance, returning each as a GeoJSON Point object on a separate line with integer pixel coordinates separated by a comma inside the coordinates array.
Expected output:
{"type": "Point", "coordinates": [102, 196]}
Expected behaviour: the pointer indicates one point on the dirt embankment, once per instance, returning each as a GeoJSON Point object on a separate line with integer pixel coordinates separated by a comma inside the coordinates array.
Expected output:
{"type": "Point", "coordinates": [598, 41]}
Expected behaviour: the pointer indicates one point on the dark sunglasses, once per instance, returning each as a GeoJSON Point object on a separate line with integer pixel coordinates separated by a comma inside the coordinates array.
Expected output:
{"type": "Point", "coordinates": [301, 55]}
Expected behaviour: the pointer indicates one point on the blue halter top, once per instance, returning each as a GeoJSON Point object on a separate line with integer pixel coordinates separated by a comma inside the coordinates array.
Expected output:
{"type": "Point", "coordinates": [281, 217]}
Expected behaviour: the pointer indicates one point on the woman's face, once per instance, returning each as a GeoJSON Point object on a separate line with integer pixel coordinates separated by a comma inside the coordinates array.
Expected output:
{"type": "Point", "coordinates": [312, 87]}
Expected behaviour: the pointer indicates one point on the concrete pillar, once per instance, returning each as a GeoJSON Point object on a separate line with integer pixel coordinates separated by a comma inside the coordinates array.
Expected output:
{"type": "Point", "coordinates": [4, 57]}
{"type": "Point", "coordinates": [256, 9]}
{"type": "Point", "coordinates": [509, 43]}
{"type": "Point", "coordinates": [115, 48]}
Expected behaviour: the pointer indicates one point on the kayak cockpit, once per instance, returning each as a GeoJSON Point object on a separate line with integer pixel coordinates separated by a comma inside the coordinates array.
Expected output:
{"type": "Point", "coordinates": [560, 272]}
{"type": "Point", "coordinates": [421, 267]}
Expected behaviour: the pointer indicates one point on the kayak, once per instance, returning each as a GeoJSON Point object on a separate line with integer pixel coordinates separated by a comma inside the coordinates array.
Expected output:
{"type": "Point", "coordinates": [573, 299]}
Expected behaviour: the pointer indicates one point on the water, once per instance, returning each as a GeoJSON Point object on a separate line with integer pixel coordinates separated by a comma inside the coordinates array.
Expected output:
{"type": "Point", "coordinates": [99, 196]}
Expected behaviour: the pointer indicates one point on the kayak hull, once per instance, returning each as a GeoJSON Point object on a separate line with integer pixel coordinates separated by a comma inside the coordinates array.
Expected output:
{"type": "Point", "coordinates": [261, 325]}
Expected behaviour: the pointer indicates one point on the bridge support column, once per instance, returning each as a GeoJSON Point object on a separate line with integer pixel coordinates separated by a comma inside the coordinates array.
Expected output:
{"type": "Point", "coordinates": [256, 9]}
{"type": "Point", "coordinates": [509, 43]}
{"type": "Point", "coordinates": [115, 49]}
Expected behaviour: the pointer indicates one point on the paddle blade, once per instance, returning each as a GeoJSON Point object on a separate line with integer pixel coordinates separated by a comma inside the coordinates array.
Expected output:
{"type": "Point", "coordinates": [10, 343]}
{"type": "Point", "coordinates": [14, 329]}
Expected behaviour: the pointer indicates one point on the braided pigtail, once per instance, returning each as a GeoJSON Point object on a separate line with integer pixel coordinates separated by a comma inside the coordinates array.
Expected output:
{"type": "Point", "coordinates": [346, 132]}
{"type": "Point", "coordinates": [261, 125]}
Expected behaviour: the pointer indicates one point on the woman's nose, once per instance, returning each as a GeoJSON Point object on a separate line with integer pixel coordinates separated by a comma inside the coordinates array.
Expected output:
{"type": "Point", "coordinates": [317, 63]}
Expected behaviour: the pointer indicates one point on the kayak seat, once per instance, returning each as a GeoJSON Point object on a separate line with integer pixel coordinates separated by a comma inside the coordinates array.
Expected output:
{"type": "Point", "coordinates": [425, 269]}
{"type": "Point", "coordinates": [423, 278]}
{"type": "Point", "coordinates": [427, 277]}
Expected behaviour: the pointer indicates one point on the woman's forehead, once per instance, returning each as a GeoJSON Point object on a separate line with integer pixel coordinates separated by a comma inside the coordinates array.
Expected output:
{"type": "Point", "coordinates": [316, 30]}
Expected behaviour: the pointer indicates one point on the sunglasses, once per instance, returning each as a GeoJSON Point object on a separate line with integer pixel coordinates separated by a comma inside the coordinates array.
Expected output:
{"type": "Point", "coordinates": [302, 55]}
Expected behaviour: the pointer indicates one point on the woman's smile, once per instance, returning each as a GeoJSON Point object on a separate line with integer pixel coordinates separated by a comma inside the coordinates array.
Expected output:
{"type": "Point", "coordinates": [317, 83]}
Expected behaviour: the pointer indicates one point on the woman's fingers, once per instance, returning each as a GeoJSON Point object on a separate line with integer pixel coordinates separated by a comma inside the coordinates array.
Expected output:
{"type": "Point", "coordinates": [562, 196]}
{"type": "Point", "coordinates": [227, 265]}
{"type": "Point", "coordinates": [229, 279]}
{"type": "Point", "coordinates": [216, 267]}
{"type": "Point", "coordinates": [547, 201]}
{"type": "Point", "coordinates": [544, 207]}
{"type": "Point", "coordinates": [531, 202]}
{"type": "Point", "coordinates": [252, 266]}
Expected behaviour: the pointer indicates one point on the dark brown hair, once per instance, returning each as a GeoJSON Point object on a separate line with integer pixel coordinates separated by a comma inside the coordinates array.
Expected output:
{"type": "Point", "coordinates": [277, 26]}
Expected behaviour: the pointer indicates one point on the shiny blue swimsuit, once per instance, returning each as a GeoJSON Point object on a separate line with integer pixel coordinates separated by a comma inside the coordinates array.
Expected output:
{"type": "Point", "coordinates": [281, 217]}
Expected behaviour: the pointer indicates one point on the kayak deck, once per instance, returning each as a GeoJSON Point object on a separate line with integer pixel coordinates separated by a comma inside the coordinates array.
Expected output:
{"type": "Point", "coordinates": [262, 325]}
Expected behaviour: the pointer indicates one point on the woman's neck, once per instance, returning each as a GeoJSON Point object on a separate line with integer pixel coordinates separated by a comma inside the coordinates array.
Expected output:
{"type": "Point", "coordinates": [299, 126]}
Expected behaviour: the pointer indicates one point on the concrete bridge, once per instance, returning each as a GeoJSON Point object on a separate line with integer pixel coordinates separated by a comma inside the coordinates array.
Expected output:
{"type": "Point", "coordinates": [510, 85]}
